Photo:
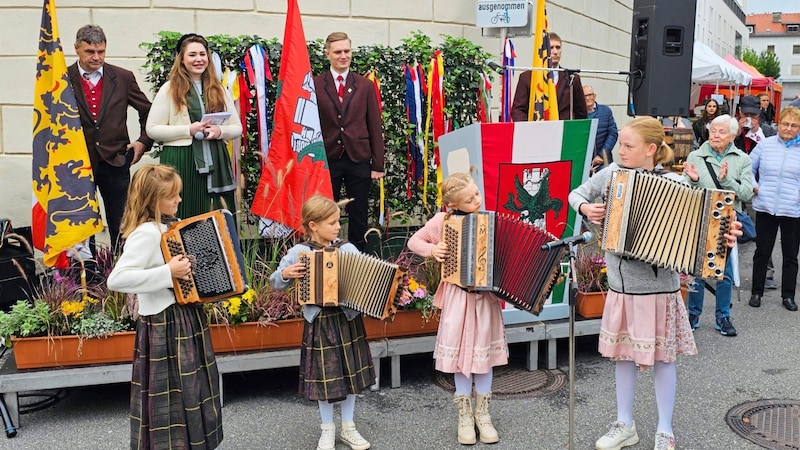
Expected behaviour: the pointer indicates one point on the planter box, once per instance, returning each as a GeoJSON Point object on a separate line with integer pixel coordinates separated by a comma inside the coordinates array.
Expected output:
{"type": "Point", "coordinates": [589, 305]}
{"type": "Point", "coordinates": [60, 351]}
{"type": "Point", "coordinates": [251, 336]}
{"type": "Point", "coordinates": [405, 323]}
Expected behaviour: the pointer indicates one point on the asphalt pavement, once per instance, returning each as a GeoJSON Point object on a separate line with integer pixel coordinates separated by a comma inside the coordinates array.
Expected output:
{"type": "Point", "coordinates": [262, 410]}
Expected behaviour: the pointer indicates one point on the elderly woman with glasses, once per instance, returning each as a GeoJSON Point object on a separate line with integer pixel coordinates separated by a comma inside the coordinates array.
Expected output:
{"type": "Point", "coordinates": [776, 200]}
{"type": "Point", "coordinates": [718, 164]}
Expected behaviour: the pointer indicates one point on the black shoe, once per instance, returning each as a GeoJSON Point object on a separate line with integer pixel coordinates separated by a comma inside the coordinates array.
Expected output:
{"type": "Point", "coordinates": [725, 326]}
{"type": "Point", "coordinates": [789, 304]}
{"type": "Point", "coordinates": [770, 283]}
{"type": "Point", "coordinates": [755, 301]}
{"type": "Point", "coordinates": [694, 321]}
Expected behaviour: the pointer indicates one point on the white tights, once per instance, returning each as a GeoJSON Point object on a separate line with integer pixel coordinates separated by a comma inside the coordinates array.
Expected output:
{"type": "Point", "coordinates": [348, 409]}
{"type": "Point", "coordinates": [483, 383]}
{"type": "Point", "coordinates": [665, 382]}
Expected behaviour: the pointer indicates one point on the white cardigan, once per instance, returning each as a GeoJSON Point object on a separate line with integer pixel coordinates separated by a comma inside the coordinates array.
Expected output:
{"type": "Point", "coordinates": [170, 126]}
{"type": "Point", "coordinates": [142, 270]}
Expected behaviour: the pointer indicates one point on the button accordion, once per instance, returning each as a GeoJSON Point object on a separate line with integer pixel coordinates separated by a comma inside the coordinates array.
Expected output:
{"type": "Point", "coordinates": [500, 253]}
{"type": "Point", "coordinates": [357, 281]}
{"type": "Point", "coordinates": [211, 242]}
{"type": "Point", "coordinates": [667, 223]}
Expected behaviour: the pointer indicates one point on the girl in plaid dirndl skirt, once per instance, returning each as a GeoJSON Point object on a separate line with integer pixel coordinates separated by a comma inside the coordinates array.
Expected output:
{"type": "Point", "coordinates": [175, 398]}
{"type": "Point", "coordinates": [335, 360]}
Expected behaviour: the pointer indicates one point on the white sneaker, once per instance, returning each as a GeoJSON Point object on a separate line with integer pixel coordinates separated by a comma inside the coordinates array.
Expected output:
{"type": "Point", "coordinates": [352, 437]}
{"type": "Point", "coordinates": [619, 435]}
{"type": "Point", "coordinates": [664, 441]}
{"type": "Point", "coordinates": [327, 441]}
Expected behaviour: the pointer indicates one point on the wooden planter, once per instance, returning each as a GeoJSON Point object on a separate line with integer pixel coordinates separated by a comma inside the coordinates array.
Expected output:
{"type": "Point", "coordinates": [405, 323]}
{"type": "Point", "coordinates": [589, 305]}
{"type": "Point", "coordinates": [252, 336]}
{"type": "Point", "coordinates": [60, 351]}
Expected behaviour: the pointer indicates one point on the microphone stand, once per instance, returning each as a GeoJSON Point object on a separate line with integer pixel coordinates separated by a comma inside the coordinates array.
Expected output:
{"type": "Point", "coordinates": [573, 290]}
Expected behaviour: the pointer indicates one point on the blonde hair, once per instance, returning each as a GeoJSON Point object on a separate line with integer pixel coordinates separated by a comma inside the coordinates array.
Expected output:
{"type": "Point", "coordinates": [181, 81]}
{"type": "Point", "coordinates": [149, 185]}
{"type": "Point", "coordinates": [790, 111]}
{"type": "Point", "coordinates": [454, 184]}
{"type": "Point", "coordinates": [336, 37]}
{"type": "Point", "coordinates": [652, 131]}
{"type": "Point", "coordinates": [316, 209]}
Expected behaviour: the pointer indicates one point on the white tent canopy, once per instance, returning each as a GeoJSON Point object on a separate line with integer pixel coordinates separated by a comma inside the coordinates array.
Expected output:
{"type": "Point", "coordinates": [708, 67]}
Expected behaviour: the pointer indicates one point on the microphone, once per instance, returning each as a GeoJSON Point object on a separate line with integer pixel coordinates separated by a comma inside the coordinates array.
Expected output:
{"type": "Point", "coordinates": [586, 236]}
{"type": "Point", "coordinates": [494, 66]}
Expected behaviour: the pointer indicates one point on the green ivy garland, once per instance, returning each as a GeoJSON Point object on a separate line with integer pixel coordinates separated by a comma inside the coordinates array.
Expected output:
{"type": "Point", "coordinates": [463, 63]}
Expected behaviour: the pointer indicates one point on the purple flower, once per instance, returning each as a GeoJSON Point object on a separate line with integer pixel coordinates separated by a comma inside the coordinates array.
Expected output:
{"type": "Point", "coordinates": [420, 293]}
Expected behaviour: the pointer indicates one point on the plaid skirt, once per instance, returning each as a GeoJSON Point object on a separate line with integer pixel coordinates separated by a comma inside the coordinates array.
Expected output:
{"type": "Point", "coordinates": [175, 398]}
{"type": "Point", "coordinates": [335, 359]}
{"type": "Point", "coordinates": [195, 198]}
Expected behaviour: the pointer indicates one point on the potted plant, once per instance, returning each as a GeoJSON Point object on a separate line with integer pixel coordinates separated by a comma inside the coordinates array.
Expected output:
{"type": "Point", "coordinates": [58, 325]}
{"type": "Point", "coordinates": [592, 276]}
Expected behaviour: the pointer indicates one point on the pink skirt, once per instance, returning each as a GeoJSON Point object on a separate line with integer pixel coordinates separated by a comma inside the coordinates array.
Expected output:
{"type": "Point", "coordinates": [645, 328]}
{"type": "Point", "coordinates": [471, 337]}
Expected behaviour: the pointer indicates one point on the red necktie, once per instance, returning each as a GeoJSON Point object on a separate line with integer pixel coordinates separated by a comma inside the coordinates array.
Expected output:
{"type": "Point", "coordinates": [341, 88]}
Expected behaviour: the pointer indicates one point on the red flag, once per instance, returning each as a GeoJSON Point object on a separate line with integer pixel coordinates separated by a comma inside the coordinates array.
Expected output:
{"type": "Point", "coordinates": [296, 167]}
{"type": "Point", "coordinates": [65, 209]}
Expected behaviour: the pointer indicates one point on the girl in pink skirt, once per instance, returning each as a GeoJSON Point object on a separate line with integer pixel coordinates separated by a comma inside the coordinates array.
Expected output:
{"type": "Point", "coordinates": [471, 338]}
{"type": "Point", "coordinates": [645, 322]}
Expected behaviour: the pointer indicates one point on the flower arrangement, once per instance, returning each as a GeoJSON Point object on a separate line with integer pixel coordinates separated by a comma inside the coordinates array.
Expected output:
{"type": "Point", "coordinates": [424, 275]}
{"type": "Point", "coordinates": [64, 304]}
{"type": "Point", "coordinates": [590, 269]}
{"type": "Point", "coordinates": [260, 303]}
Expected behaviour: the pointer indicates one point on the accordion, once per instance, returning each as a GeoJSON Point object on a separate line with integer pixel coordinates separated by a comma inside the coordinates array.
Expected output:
{"type": "Point", "coordinates": [211, 242]}
{"type": "Point", "coordinates": [360, 282]}
{"type": "Point", "coordinates": [667, 223]}
{"type": "Point", "coordinates": [502, 254]}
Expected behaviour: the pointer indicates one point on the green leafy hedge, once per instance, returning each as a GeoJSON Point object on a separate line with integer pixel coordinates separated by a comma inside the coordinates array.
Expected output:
{"type": "Point", "coordinates": [463, 62]}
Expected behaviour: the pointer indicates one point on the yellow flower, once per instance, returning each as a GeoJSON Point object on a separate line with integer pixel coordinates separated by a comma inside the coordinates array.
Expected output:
{"type": "Point", "coordinates": [249, 296]}
{"type": "Point", "coordinates": [413, 285]}
{"type": "Point", "coordinates": [73, 308]}
{"type": "Point", "coordinates": [233, 305]}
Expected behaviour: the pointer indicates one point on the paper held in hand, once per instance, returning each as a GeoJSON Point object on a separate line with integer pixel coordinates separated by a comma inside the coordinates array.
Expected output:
{"type": "Point", "coordinates": [217, 118]}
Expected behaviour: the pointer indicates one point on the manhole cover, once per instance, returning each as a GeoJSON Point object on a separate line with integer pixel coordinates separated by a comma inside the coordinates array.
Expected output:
{"type": "Point", "coordinates": [515, 382]}
{"type": "Point", "coordinates": [773, 424]}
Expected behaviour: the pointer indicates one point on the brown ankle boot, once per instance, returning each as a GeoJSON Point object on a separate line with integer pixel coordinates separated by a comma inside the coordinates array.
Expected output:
{"type": "Point", "coordinates": [466, 422]}
{"type": "Point", "coordinates": [483, 420]}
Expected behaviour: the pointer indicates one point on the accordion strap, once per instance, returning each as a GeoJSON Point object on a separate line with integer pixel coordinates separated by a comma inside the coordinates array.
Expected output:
{"type": "Point", "coordinates": [318, 246]}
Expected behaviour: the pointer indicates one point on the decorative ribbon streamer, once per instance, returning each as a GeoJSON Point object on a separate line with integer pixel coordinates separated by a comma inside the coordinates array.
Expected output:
{"type": "Point", "coordinates": [257, 67]}
{"type": "Point", "coordinates": [372, 76]}
{"type": "Point", "coordinates": [485, 99]}
{"type": "Point", "coordinates": [415, 90]}
{"type": "Point", "coordinates": [509, 56]}
{"type": "Point", "coordinates": [435, 117]}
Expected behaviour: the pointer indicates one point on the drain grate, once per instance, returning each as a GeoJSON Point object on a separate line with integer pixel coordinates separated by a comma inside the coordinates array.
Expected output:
{"type": "Point", "coordinates": [773, 424]}
{"type": "Point", "coordinates": [514, 382]}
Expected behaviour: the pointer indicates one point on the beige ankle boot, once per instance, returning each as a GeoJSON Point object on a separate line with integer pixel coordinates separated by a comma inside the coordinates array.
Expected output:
{"type": "Point", "coordinates": [352, 437]}
{"type": "Point", "coordinates": [327, 441]}
{"type": "Point", "coordinates": [466, 423]}
{"type": "Point", "coordinates": [483, 420]}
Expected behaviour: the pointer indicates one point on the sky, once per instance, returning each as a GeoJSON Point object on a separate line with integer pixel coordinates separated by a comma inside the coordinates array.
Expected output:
{"type": "Point", "coordinates": [763, 6]}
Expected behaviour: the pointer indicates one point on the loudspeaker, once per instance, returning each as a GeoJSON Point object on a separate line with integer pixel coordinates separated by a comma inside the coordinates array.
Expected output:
{"type": "Point", "coordinates": [661, 57]}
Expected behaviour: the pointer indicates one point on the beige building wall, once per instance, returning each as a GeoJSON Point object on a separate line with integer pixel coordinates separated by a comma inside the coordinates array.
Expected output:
{"type": "Point", "coordinates": [596, 35]}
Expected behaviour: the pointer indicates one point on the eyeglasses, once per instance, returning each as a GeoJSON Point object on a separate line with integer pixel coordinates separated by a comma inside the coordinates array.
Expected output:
{"type": "Point", "coordinates": [589, 95]}
{"type": "Point", "coordinates": [791, 126]}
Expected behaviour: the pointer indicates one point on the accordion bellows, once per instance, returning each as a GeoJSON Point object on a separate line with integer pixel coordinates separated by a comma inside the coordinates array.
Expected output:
{"type": "Point", "coordinates": [667, 223]}
{"type": "Point", "coordinates": [502, 254]}
{"type": "Point", "coordinates": [357, 281]}
{"type": "Point", "coordinates": [211, 242]}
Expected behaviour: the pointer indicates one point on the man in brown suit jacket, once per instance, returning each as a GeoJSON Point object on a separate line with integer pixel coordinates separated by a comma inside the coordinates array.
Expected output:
{"type": "Point", "coordinates": [519, 109]}
{"type": "Point", "coordinates": [352, 131]}
{"type": "Point", "coordinates": [104, 93]}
